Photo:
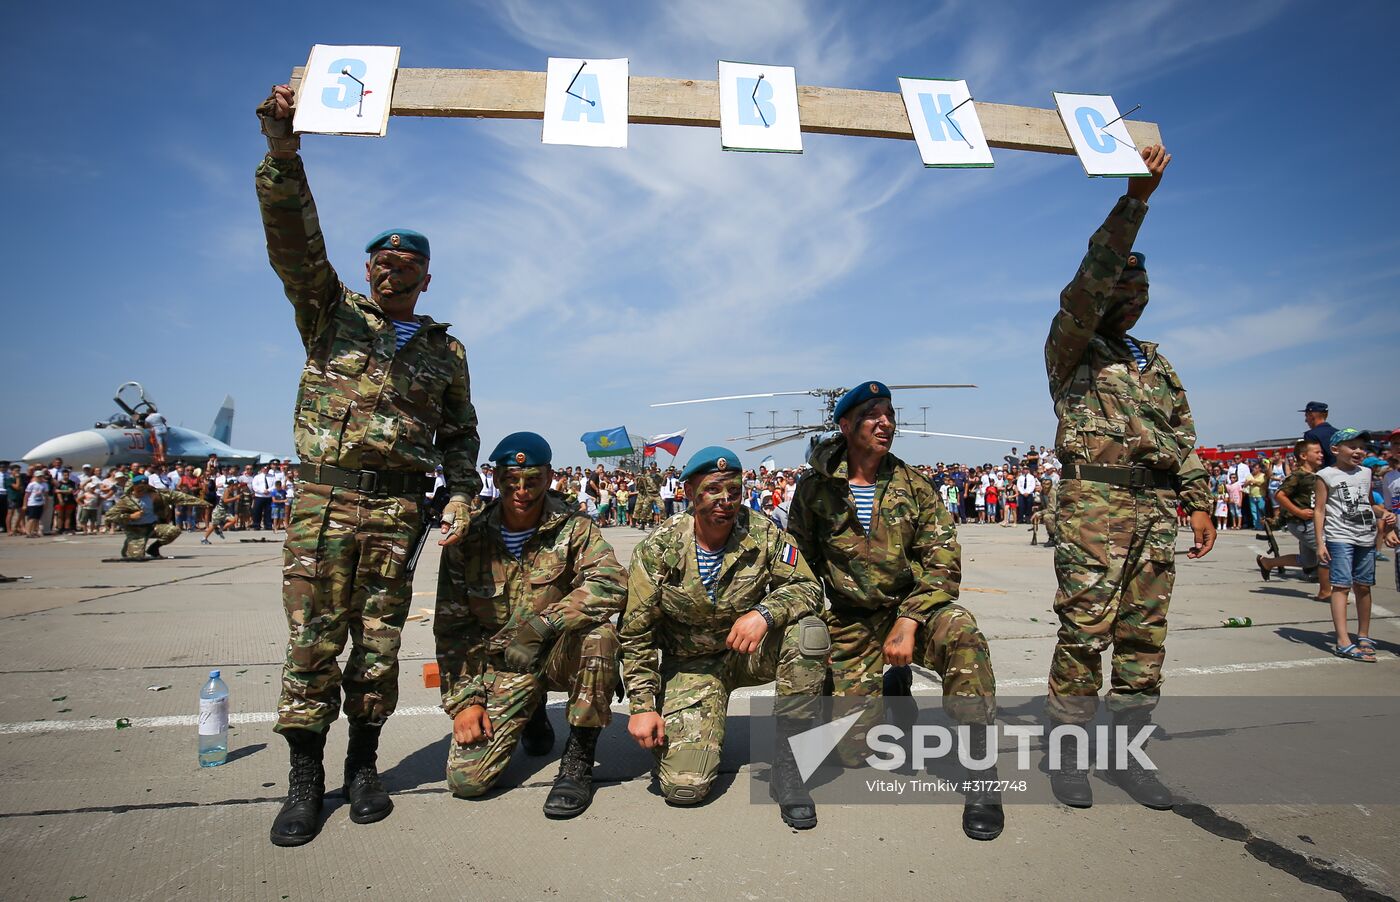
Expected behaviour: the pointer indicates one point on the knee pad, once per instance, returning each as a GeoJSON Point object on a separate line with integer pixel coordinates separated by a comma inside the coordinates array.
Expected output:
{"type": "Point", "coordinates": [813, 638]}
{"type": "Point", "coordinates": [684, 795]}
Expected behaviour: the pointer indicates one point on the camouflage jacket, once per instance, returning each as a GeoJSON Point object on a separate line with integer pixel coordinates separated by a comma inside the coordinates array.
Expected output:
{"type": "Point", "coordinates": [909, 560]}
{"type": "Point", "coordinates": [1109, 412]}
{"type": "Point", "coordinates": [362, 404]}
{"type": "Point", "coordinates": [646, 485]}
{"type": "Point", "coordinates": [566, 572]}
{"type": "Point", "coordinates": [166, 502]}
{"type": "Point", "coordinates": [669, 612]}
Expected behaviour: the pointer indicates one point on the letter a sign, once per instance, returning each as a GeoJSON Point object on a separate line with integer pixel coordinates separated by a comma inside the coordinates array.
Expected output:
{"type": "Point", "coordinates": [1099, 135]}
{"type": "Point", "coordinates": [585, 102]}
{"type": "Point", "coordinates": [758, 108]}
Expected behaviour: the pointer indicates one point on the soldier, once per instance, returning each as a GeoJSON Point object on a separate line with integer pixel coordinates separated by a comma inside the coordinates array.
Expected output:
{"type": "Point", "coordinates": [1127, 442]}
{"type": "Point", "coordinates": [144, 514]}
{"type": "Point", "coordinates": [887, 553]}
{"type": "Point", "coordinates": [1045, 512]}
{"type": "Point", "coordinates": [523, 607]}
{"type": "Point", "coordinates": [719, 597]}
{"type": "Point", "coordinates": [384, 399]}
{"type": "Point", "coordinates": [648, 498]}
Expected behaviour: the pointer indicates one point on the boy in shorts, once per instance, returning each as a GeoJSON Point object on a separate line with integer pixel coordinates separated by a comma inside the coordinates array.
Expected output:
{"type": "Point", "coordinates": [1296, 499]}
{"type": "Point", "coordinates": [1345, 520]}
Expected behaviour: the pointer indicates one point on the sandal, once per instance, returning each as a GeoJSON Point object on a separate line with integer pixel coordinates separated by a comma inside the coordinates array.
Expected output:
{"type": "Point", "coordinates": [1351, 652]}
{"type": "Point", "coordinates": [1366, 644]}
{"type": "Point", "coordinates": [1263, 571]}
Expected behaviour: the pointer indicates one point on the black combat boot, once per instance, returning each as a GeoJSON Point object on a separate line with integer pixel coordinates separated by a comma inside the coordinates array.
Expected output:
{"type": "Point", "coordinates": [785, 784]}
{"type": "Point", "coordinates": [365, 794]}
{"type": "Point", "coordinates": [153, 550]}
{"type": "Point", "coordinates": [983, 817]}
{"type": "Point", "coordinates": [1136, 780]}
{"type": "Point", "coordinates": [573, 787]}
{"type": "Point", "coordinates": [898, 682]}
{"type": "Point", "coordinates": [538, 738]}
{"type": "Point", "coordinates": [300, 818]}
{"type": "Point", "coordinates": [1070, 782]}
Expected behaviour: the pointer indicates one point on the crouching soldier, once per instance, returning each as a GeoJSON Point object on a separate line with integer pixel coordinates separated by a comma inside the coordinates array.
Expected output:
{"type": "Point", "coordinates": [718, 597]}
{"type": "Point", "coordinates": [523, 607]}
{"type": "Point", "coordinates": [148, 517]}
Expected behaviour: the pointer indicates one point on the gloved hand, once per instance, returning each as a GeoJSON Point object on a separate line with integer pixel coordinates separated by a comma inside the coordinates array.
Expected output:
{"type": "Point", "coordinates": [456, 517]}
{"type": "Point", "coordinates": [532, 641]}
{"type": "Point", "coordinates": [275, 115]}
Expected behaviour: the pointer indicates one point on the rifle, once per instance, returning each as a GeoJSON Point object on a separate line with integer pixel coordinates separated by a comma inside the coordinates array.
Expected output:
{"type": "Point", "coordinates": [432, 515]}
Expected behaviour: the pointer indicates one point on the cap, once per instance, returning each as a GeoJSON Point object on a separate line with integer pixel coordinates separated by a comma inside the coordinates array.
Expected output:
{"type": "Point", "coordinates": [866, 391]}
{"type": "Point", "coordinates": [139, 479]}
{"type": "Point", "coordinates": [522, 449]}
{"type": "Point", "coordinates": [1314, 407]}
{"type": "Point", "coordinates": [400, 240]}
{"type": "Point", "coordinates": [713, 459]}
{"type": "Point", "coordinates": [1349, 435]}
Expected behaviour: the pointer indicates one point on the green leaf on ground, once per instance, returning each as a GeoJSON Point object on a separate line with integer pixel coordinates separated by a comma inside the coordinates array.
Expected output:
{"type": "Point", "coordinates": [61, 698]}
{"type": "Point", "coordinates": [64, 710]}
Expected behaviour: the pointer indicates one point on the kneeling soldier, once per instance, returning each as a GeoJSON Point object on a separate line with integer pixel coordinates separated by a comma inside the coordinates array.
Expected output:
{"type": "Point", "coordinates": [719, 597]}
{"type": "Point", "coordinates": [887, 552]}
{"type": "Point", "coordinates": [523, 607]}
{"type": "Point", "coordinates": [147, 515]}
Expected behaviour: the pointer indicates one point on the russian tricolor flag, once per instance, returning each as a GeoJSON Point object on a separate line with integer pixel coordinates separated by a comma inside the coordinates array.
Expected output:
{"type": "Point", "coordinates": [670, 442]}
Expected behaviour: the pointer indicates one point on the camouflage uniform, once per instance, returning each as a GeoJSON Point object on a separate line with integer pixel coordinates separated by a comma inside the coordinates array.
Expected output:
{"type": "Point", "coordinates": [361, 405]}
{"type": "Point", "coordinates": [1115, 559]}
{"type": "Point", "coordinates": [908, 565]}
{"type": "Point", "coordinates": [164, 530]}
{"type": "Point", "coordinates": [674, 658]}
{"type": "Point", "coordinates": [648, 495]}
{"type": "Point", "coordinates": [566, 573]}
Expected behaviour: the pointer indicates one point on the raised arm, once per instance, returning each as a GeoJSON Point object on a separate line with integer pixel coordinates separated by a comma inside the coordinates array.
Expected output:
{"type": "Point", "coordinates": [1086, 299]}
{"type": "Point", "coordinates": [295, 247]}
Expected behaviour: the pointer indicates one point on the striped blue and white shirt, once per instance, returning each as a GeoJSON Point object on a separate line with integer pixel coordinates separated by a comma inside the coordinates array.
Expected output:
{"type": "Point", "coordinates": [404, 330]}
{"type": "Point", "coordinates": [710, 562]}
{"type": "Point", "coordinates": [864, 497]}
{"type": "Point", "coordinates": [515, 541]}
{"type": "Point", "coordinates": [1139, 357]}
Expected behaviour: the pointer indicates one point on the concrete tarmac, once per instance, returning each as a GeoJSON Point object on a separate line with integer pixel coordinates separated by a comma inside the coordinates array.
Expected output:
{"type": "Point", "coordinates": [92, 811]}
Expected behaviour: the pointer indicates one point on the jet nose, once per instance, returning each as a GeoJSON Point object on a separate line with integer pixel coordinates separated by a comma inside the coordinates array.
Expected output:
{"type": "Point", "coordinates": [76, 449]}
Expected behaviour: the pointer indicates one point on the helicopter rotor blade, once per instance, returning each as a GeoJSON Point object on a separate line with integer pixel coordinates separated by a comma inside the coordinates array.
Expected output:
{"type": "Point", "coordinates": [979, 438]}
{"type": "Point", "coordinates": [893, 387]}
{"type": "Point", "coordinates": [779, 441]}
{"type": "Point", "coordinates": [765, 394]}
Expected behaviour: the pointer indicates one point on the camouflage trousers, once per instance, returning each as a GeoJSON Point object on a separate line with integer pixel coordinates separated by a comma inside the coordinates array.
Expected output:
{"type": "Point", "coordinates": [1115, 566]}
{"type": "Point", "coordinates": [137, 538]}
{"type": "Point", "coordinates": [642, 513]}
{"type": "Point", "coordinates": [345, 577]}
{"type": "Point", "coordinates": [695, 704]}
{"type": "Point", "coordinates": [581, 664]}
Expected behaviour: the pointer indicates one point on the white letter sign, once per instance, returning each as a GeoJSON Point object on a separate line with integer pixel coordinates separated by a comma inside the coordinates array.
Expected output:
{"type": "Point", "coordinates": [1099, 135]}
{"type": "Point", "coordinates": [758, 108]}
{"type": "Point", "coordinates": [945, 123]}
{"type": "Point", "coordinates": [585, 102]}
{"type": "Point", "coordinates": [346, 91]}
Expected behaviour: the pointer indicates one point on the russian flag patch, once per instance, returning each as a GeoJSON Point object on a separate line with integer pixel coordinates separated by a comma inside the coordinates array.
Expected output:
{"type": "Point", "coordinates": [789, 554]}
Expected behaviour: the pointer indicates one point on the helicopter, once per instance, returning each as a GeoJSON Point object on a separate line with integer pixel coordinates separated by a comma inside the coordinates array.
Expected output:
{"type": "Point", "coordinates": [776, 434]}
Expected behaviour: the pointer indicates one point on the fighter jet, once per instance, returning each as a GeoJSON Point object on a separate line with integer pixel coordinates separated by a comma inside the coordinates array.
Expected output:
{"type": "Point", "coordinates": [127, 438]}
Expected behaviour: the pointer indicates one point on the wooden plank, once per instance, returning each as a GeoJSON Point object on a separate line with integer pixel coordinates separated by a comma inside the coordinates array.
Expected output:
{"type": "Point", "coordinates": [505, 94]}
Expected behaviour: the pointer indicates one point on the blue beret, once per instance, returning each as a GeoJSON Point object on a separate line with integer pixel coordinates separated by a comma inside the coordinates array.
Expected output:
{"type": "Point", "coordinates": [866, 391]}
{"type": "Point", "coordinates": [400, 240]}
{"type": "Point", "coordinates": [140, 479]}
{"type": "Point", "coordinates": [522, 449]}
{"type": "Point", "coordinates": [713, 459]}
{"type": "Point", "coordinates": [1137, 262]}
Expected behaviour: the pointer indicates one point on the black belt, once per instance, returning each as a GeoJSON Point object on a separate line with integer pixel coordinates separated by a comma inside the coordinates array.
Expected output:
{"type": "Point", "coordinates": [1126, 477]}
{"type": "Point", "coordinates": [395, 483]}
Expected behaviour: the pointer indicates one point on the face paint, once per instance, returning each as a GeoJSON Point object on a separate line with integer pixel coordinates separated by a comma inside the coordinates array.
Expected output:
{"type": "Point", "coordinates": [1125, 305]}
{"type": "Point", "coordinates": [717, 497]}
{"type": "Point", "coordinates": [871, 428]}
{"type": "Point", "coordinates": [523, 488]}
{"type": "Point", "coordinates": [394, 275]}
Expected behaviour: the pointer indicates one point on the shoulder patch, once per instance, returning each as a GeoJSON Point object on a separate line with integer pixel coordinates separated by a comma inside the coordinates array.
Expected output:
{"type": "Point", "coordinates": [789, 554]}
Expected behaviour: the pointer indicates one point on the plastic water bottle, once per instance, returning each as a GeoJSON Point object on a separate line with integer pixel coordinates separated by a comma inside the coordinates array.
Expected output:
{"type": "Point", "coordinates": [1237, 622]}
{"type": "Point", "coordinates": [213, 722]}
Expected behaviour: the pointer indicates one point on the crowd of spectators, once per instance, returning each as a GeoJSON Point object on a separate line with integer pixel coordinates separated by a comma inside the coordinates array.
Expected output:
{"type": "Point", "coordinates": [59, 500]}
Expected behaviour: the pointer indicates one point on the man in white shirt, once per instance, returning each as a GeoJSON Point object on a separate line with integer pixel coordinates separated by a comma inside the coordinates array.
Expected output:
{"type": "Point", "coordinates": [668, 493]}
{"type": "Point", "coordinates": [262, 485]}
{"type": "Point", "coordinates": [1026, 484]}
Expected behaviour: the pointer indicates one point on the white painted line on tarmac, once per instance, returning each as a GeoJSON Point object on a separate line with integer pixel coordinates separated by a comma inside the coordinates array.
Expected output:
{"type": "Point", "coordinates": [921, 685]}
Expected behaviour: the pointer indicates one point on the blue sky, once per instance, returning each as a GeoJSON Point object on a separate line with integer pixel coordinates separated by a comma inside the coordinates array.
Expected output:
{"type": "Point", "coordinates": [588, 283]}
